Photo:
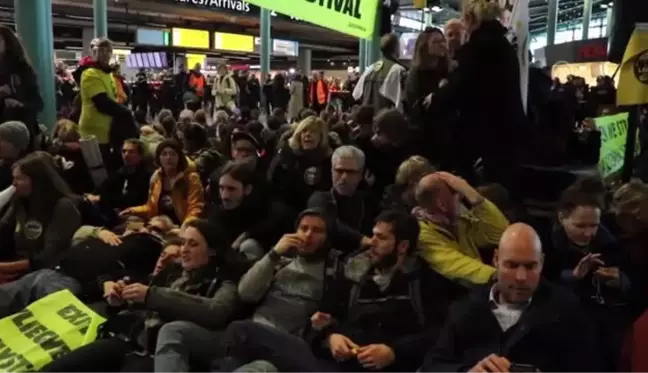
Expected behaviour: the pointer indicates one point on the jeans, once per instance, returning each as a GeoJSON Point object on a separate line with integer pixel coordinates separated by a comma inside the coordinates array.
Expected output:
{"type": "Point", "coordinates": [247, 341]}
{"type": "Point", "coordinates": [16, 295]}
{"type": "Point", "coordinates": [181, 343]}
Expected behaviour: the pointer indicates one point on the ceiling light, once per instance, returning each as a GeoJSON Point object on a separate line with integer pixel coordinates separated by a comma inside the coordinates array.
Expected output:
{"type": "Point", "coordinates": [436, 9]}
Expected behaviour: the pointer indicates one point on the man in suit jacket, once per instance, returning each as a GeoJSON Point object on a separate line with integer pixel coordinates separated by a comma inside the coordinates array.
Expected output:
{"type": "Point", "coordinates": [519, 323]}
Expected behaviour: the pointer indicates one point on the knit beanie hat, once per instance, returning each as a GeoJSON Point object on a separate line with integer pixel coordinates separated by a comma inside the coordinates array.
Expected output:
{"type": "Point", "coordinates": [16, 133]}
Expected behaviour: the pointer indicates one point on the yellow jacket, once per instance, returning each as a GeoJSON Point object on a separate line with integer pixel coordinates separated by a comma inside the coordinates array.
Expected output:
{"type": "Point", "coordinates": [187, 195]}
{"type": "Point", "coordinates": [459, 260]}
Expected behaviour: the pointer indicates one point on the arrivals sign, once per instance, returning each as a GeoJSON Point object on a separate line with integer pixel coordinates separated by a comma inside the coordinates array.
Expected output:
{"type": "Point", "coordinates": [234, 5]}
{"type": "Point", "coordinates": [353, 17]}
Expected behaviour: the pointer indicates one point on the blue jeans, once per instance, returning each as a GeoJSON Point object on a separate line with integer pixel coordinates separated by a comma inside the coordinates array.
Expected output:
{"type": "Point", "coordinates": [16, 295]}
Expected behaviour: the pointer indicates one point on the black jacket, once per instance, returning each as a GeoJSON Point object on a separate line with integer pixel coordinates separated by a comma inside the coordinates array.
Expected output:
{"type": "Point", "coordinates": [263, 220]}
{"type": "Point", "coordinates": [21, 80]}
{"type": "Point", "coordinates": [125, 188]}
{"type": "Point", "coordinates": [485, 90]}
{"type": "Point", "coordinates": [562, 257]}
{"type": "Point", "coordinates": [295, 175]}
{"type": "Point", "coordinates": [553, 334]}
{"type": "Point", "coordinates": [354, 215]}
{"type": "Point", "coordinates": [404, 316]}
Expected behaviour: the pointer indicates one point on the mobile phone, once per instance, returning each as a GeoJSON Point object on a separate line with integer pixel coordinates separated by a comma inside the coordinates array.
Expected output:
{"type": "Point", "coordinates": [523, 368]}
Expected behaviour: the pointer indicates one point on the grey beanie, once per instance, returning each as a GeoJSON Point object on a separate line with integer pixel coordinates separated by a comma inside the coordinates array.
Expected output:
{"type": "Point", "coordinates": [16, 133]}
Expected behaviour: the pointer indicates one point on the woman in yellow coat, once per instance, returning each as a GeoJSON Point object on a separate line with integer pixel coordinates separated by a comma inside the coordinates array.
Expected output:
{"type": "Point", "coordinates": [175, 189]}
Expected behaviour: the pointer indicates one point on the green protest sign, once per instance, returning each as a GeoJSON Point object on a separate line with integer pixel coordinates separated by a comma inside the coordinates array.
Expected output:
{"type": "Point", "coordinates": [353, 17]}
{"type": "Point", "coordinates": [614, 133]}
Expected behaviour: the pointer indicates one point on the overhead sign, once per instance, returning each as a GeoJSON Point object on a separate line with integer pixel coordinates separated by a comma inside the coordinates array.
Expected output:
{"type": "Point", "coordinates": [235, 5]}
{"type": "Point", "coordinates": [188, 38]}
{"type": "Point", "coordinates": [149, 36]}
{"type": "Point", "coordinates": [352, 17]}
{"type": "Point", "coordinates": [233, 42]}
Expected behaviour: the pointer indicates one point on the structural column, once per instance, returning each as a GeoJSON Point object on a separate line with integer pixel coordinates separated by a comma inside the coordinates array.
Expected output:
{"type": "Point", "coordinates": [373, 47]}
{"type": "Point", "coordinates": [362, 55]}
{"type": "Point", "coordinates": [266, 47]}
{"type": "Point", "coordinates": [34, 26]}
{"type": "Point", "coordinates": [609, 21]}
{"type": "Point", "coordinates": [552, 21]}
{"type": "Point", "coordinates": [587, 16]}
{"type": "Point", "coordinates": [100, 9]}
{"type": "Point", "coordinates": [304, 60]}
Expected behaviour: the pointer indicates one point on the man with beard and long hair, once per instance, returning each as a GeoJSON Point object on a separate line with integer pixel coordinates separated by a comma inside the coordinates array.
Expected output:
{"type": "Point", "coordinates": [377, 312]}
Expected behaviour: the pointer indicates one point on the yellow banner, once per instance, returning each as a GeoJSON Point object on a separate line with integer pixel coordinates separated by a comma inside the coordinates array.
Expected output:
{"type": "Point", "coordinates": [46, 330]}
{"type": "Point", "coordinates": [353, 17]}
{"type": "Point", "coordinates": [633, 75]}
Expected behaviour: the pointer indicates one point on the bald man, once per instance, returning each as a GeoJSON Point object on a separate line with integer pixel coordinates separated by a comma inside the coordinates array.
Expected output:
{"type": "Point", "coordinates": [518, 324]}
{"type": "Point", "coordinates": [456, 222]}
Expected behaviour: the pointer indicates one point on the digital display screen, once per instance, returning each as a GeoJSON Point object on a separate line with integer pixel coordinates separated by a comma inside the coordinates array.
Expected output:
{"type": "Point", "coordinates": [285, 48]}
{"type": "Point", "coordinates": [157, 60]}
{"type": "Point", "coordinates": [146, 36]}
{"type": "Point", "coordinates": [189, 38]}
{"type": "Point", "coordinates": [233, 42]}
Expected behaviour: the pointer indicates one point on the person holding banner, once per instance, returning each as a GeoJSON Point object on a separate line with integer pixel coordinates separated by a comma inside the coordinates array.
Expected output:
{"type": "Point", "coordinates": [485, 90]}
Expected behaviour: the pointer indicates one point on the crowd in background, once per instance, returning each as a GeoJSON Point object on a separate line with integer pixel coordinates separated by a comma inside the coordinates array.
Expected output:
{"type": "Point", "coordinates": [257, 227]}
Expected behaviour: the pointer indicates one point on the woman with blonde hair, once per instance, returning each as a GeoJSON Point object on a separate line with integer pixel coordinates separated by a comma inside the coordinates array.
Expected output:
{"type": "Point", "coordinates": [485, 90]}
{"type": "Point", "coordinates": [401, 195]}
{"type": "Point", "coordinates": [303, 165]}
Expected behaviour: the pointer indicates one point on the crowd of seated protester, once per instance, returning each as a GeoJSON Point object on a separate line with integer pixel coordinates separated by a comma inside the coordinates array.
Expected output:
{"type": "Point", "coordinates": [270, 267]}
{"type": "Point", "coordinates": [367, 239]}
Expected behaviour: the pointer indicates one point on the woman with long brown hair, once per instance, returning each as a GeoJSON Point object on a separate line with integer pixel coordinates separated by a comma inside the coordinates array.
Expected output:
{"type": "Point", "coordinates": [40, 221]}
{"type": "Point", "coordinates": [430, 67]}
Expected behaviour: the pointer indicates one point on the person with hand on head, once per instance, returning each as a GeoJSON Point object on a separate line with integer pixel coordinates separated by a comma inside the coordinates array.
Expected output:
{"type": "Point", "coordinates": [520, 323]}
{"type": "Point", "coordinates": [456, 222]}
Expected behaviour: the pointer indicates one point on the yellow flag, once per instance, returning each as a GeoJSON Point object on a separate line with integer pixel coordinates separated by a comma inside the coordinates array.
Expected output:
{"type": "Point", "coordinates": [633, 75]}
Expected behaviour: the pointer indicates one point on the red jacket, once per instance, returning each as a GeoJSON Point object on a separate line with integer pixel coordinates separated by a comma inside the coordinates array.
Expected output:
{"type": "Point", "coordinates": [633, 355]}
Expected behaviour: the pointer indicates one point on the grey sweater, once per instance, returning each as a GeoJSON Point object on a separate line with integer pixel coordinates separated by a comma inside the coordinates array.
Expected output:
{"type": "Point", "coordinates": [292, 294]}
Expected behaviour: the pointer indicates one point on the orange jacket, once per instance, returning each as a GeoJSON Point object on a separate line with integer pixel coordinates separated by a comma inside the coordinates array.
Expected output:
{"type": "Point", "coordinates": [197, 83]}
{"type": "Point", "coordinates": [188, 202]}
{"type": "Point", "coordinates": [120, 93]}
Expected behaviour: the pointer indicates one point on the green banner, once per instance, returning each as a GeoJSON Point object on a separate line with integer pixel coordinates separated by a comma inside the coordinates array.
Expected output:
{"type": "Point", "coordinates": [353, 17]}
{"type": "Point", "coordinates": [614, 133]}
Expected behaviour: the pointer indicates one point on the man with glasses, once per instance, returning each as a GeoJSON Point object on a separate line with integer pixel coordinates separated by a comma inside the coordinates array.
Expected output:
{"type": "Point", "coordinates": [351, 206]}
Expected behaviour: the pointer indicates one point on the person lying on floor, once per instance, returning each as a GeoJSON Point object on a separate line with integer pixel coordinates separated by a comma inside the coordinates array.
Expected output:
{"type": "Point", "coordinates": [201, 289]}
